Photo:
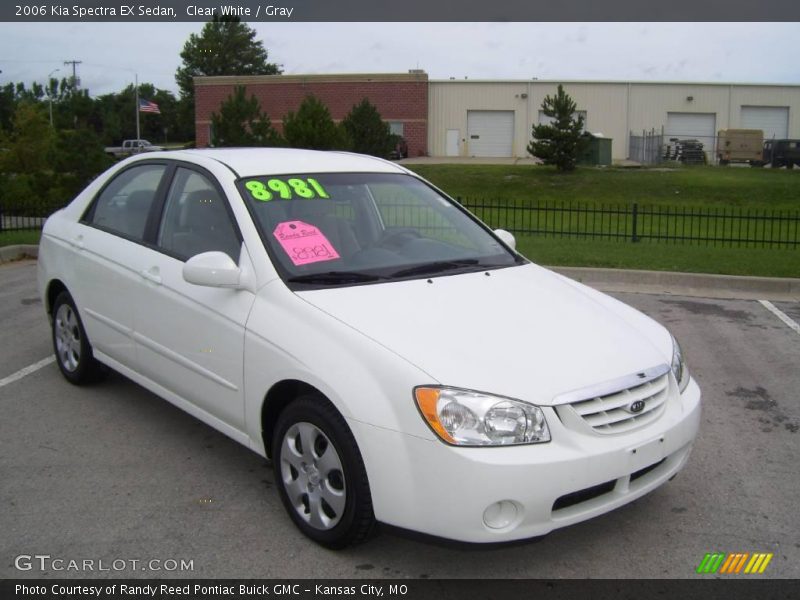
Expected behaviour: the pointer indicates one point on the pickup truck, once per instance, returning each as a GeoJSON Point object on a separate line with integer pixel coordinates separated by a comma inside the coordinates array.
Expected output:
{"type": "Point", "coordinates": [130, 147]}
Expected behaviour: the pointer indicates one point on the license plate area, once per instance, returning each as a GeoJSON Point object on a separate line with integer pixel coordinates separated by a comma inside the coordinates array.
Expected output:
{"type": "Point", "coordinates": [646, 454]}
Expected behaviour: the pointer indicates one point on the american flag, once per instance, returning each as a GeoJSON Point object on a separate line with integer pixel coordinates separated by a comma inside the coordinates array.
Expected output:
{"type": "Point", "coordinates": [149, 107]}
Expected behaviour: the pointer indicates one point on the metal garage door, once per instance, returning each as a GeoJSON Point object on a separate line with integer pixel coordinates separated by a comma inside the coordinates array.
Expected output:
{"type": "Point", "coordinates": [694, 126]}
{"type": "Point", "coordinates": [490, 132]}
{"type": "Point", "coordinates": [772, 120]}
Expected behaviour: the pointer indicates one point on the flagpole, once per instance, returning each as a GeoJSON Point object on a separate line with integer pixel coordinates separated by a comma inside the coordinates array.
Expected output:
{"type": "Point", "coordinates": [138, 135]}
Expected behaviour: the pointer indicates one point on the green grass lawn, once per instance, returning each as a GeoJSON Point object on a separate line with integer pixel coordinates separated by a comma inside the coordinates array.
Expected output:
{"type": "Point", "coordinates": [681, 186]}
{"type": "Point", "coordinates": [12, 238]}
{"type": "Point", "coordinates": [686, 258]}
{"type": "Point", "coordinates": [697, 189]}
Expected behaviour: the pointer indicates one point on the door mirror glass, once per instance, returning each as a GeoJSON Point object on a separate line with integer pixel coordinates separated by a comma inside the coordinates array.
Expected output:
{"type": "Point", "coordinates": [212, 269]}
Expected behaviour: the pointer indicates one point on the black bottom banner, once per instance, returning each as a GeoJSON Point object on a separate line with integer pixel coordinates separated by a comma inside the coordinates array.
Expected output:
{"type": "Point", "coordinates": [442, 589]}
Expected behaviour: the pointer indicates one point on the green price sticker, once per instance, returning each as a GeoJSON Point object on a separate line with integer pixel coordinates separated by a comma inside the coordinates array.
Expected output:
{"type": "Point", "coordinates": [286, 189]}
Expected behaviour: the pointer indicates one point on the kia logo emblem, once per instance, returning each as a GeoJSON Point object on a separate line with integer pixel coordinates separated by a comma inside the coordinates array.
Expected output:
{"type": "Point", "coordinates": [637, 406]}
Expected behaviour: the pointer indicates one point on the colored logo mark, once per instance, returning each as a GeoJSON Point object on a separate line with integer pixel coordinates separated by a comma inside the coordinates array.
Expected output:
{"type": "Point", "coordinates": [734, 563]}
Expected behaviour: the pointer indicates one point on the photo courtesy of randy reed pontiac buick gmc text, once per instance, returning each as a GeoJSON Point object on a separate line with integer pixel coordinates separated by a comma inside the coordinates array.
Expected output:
{"type": "Point", "coordinates": [396, 360]}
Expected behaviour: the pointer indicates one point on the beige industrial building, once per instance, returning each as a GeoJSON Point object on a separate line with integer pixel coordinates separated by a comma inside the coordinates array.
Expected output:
{"type": "Point", "coordinates": [489, 118]}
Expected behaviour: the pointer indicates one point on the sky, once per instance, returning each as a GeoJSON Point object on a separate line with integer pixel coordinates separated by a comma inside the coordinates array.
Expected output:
{"type": "Point", "coordinates": [113, 53]}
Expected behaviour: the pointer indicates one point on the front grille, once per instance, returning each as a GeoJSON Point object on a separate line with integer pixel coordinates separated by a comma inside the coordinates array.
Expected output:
{"type": "Point", "coordinates": [646, 470]}
{"type": "Point", "coordinates": [610, 413]}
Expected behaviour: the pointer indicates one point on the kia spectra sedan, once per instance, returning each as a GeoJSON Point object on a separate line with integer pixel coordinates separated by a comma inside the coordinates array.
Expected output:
{"type": "Point", "coordinates": [395, 359]}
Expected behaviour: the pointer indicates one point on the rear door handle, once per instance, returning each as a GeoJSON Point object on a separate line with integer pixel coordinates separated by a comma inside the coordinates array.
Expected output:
{"type": "Point", "coordinates": [152, 274]}
{"type": "Point", "coordinates": [77, 242]}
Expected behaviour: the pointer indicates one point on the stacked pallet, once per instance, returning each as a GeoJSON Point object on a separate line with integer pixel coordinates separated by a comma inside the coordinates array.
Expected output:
{"type": "Point", "coordinates": [689, 152]}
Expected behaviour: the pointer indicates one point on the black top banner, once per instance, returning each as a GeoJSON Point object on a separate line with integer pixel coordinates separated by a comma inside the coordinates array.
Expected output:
{"type": "Point", "coordinates": [404, 11]}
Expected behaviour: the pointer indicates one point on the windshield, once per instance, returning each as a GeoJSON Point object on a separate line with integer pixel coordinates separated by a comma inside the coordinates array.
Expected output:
{"type": "Point", "coordinates": [330, 229]}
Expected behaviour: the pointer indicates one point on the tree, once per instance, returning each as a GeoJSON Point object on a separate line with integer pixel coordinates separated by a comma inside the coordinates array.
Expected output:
{"type": "Point", "coordinates": [79, 157]}
{"type": "Point", "coordinates": [240, 122]}
{"type": "Point", "coordinates": [368, 133]}
{"type": "Point", "coordinates": [312, 127]}
{"type": "Point", "coordinates": [29, 147]}
{"type": "Point", "coordinates": [559, 143]}
{"type": "Point", "coordinates": [225, 46]}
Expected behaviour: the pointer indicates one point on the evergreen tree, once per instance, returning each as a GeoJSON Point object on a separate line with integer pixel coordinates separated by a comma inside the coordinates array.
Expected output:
{"type": "Point", "coordinates": [240, 122]}
{"type": "Point", "coordinates": [560, 142]}
{"type": "Point", "coordinates": [225, 46]}
{"type": "Point", "coordinates": [368, 133]}
{"type": "Point", "coordinates": [313, 128]}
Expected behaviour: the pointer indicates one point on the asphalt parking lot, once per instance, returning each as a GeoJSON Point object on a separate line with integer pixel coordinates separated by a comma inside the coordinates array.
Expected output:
{"type": "Point", "coordinates": [112, 472]}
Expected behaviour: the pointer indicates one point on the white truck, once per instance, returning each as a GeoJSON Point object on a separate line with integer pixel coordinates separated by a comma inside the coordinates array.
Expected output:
{"type": "Point", "coordinates": [130, 147]}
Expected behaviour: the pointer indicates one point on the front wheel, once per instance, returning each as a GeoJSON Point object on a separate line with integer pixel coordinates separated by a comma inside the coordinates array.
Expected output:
{"type": "Point", "coordinates": [72, 348]}
{"type": "Point", "coordinates": [321, 475]}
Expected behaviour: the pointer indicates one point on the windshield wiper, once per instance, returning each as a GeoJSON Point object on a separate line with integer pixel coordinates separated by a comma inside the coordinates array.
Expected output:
{"type": "Point", "coordinates": [334, 277]}
{"type": "Point", "coordinates": [436, 267]}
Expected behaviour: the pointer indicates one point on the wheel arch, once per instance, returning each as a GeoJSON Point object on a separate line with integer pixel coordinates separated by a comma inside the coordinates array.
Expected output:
{"type": "Point", "coordinates": [54, 288]}
{"type": "Point", "coordinates": [279, 396]}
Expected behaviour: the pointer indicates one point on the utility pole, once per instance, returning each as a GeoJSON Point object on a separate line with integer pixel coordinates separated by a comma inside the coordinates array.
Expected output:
{"type": "Point", "coordinates": [50, 94]}
{"type": "Point", "coordinates": [76, 83]}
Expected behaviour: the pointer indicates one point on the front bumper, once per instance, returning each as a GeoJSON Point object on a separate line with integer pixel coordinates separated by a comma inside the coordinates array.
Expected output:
{"type": "Point", "coordinates": [427, 486]}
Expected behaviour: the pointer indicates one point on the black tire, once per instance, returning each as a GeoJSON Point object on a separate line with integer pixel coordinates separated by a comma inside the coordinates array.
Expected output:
{"type": "Point", "coordinates": [338, 524]}
{"type": "Point", "coordinates": [74, 354]}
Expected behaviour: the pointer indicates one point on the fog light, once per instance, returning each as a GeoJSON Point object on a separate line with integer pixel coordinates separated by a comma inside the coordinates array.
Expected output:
{"type": "Point", "coordinates": [501, 515]}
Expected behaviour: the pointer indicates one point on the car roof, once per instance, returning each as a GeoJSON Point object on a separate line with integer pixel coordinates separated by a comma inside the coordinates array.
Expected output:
{"type": "Point", "coordinates": [249, 162]}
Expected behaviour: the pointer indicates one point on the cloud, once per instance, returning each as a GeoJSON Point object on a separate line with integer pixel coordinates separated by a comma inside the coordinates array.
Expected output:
{"type": "Point", "coordinates": [711, 51]}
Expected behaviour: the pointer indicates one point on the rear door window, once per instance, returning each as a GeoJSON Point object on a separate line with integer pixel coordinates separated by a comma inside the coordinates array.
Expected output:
{"type": "Point", "coordinates": [124, 204]}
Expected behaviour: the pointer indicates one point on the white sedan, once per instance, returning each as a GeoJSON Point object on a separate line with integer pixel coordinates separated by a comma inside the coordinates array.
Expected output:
{"type": "Point", "coordinates": [396, 360]}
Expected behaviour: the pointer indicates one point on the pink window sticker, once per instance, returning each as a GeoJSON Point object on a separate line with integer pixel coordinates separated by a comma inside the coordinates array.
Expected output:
{"type": "Point", "coordinates": [304, 243]}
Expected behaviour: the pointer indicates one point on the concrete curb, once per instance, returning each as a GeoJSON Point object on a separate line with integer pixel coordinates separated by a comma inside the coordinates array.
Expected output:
{"type": "Point", "coordinates": [686, 284]}
{"type": "Point", "coordinates": [9, 253]}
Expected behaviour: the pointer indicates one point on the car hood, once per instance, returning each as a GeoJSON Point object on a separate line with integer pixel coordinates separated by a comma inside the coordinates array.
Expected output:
{"type": "Point", "coordinates": [522, 332]}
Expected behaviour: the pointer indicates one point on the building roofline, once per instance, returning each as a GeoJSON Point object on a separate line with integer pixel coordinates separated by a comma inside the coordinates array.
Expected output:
{"type": "Point", "coordinates": [314, 78]}
{"type": "Point", "coordinates": [613, 81]}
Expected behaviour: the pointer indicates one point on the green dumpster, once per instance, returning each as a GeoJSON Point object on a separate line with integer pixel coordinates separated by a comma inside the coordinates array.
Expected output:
{"type": "Point", "coordinates": [597, 152]}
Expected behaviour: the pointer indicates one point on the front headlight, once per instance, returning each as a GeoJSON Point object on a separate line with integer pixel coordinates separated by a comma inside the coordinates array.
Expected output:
{"type": "Point", "coordinates": [679, 366]}
{"type": "Point", "coordinates": [466, 418]}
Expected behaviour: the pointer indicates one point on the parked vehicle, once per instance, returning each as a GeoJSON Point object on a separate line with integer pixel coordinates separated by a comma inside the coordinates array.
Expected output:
{"type": "Point", "coordinates": [740, 146]}
{"type": "Point", "coordinates": [131, 147]}
{"type": "Point", "coordinates": [397, 360]}
{"type": "Point", "coordinates": [781, 153]}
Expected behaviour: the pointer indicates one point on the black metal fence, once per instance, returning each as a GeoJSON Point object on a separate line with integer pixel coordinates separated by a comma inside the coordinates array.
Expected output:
{"type": "Point", "coordinates": [709, 226]}
{"type": "Point", "coordinates": [29, 218]}
{"type": "Point", "coordinates": [732, 227]}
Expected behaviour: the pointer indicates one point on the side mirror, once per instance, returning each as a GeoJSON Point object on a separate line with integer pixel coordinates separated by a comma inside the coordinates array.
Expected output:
{"type": "Point", "coordinates": [212, 269]}
{"type": "Point", "coordinates": [507, 238]}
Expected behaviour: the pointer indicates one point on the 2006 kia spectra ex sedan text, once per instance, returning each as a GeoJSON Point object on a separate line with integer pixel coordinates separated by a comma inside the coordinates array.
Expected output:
{"type": "Point", "coordinates": [397, 360]}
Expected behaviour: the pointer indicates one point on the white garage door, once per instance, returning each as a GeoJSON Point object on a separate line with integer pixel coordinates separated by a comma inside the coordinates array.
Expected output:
{"type": "Point", "coordinates": [772, 120]}
{"type": "Point", "coordinates": [490, 132]}
{"type": "Point", "coordinates": [694, 126]}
